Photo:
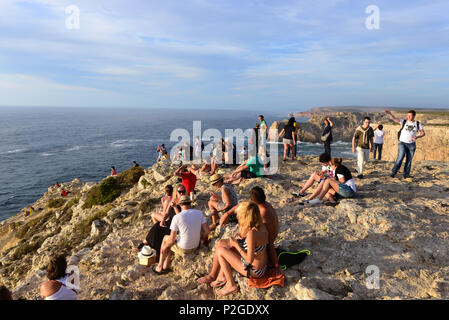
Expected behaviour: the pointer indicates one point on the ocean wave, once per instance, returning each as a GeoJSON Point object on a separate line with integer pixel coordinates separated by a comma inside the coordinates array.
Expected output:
{"type": "Point", "coordinates": [132, 142]}
{"type": "Point", "coordinates": [75, 148]}
{"type": "Point", "coordinates": [339, 142]}
{"type": "Point", "coordinates": [13, 151]}
{"type": "Point", "coordinates": [45, 154]}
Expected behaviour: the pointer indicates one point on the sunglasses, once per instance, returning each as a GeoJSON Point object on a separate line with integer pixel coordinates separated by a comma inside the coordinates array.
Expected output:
{"type": "Point", "coordinates": [181, 191]}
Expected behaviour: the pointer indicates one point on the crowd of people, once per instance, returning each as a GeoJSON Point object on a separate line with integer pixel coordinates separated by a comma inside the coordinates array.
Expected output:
{"type": "Point", "coordinates": [180, 228]}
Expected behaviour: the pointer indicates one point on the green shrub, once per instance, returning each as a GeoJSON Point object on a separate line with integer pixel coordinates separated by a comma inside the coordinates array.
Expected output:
{"type": "Point", "coordinates": [72, 202]}
{"type": "Point", "coordinates": [110, 188]}
{"type": "Point", "coordinates": [144, 183]}
{"type": "Point", "coordinates": [107, 191]}
{"type": "Point", "coordinates": [56, 203]}
{"type": "Point", "coordinates": [128, 178]}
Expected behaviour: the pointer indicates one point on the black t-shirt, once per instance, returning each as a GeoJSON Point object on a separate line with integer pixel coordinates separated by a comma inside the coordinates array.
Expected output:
{"type": "Point", "coordinates": [288, 132]}
{"type": "Point", "coordinates": [341, 169]}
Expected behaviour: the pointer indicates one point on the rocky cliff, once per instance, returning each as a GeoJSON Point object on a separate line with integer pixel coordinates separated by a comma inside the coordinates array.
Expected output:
{"type": "Point", "coordinates": [399, 226]}
{"type": "Point", "coordinates": [434, 146]}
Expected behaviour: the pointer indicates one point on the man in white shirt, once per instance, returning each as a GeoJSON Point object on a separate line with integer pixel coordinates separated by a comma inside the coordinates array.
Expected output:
{"type": "Point", "coordinates": [191, 225]}
{"type": "Point", "coordinates": [410, 131]}
{"type": "Point", "coordinates": [378, 141]}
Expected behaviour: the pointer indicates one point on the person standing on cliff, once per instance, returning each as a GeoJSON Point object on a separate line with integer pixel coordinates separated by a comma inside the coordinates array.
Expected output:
{"type": "Point", "coordinates": [378, 141]}
{"type": "Point", "coordinates": [407, 141]}
{"type": "Point", "coordinates": [364, 135]}
{"type": "Point", "coordinates": [326, 136]}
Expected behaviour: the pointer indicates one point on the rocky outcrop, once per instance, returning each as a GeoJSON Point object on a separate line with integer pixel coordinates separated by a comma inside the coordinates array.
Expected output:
{"type": "Point", "coordinates": [398, 226]}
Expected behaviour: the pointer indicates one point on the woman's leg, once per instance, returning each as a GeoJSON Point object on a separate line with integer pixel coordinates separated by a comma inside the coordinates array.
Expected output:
{"type": "Point", "coordinates": [213, 274]}
{"type": "Point", "coordinates": [329, 184]}
{"type": "Point", "coordinates": [229, 260]}
{"type": "Point", "coordinates": [292, 151]}
{"type": "Point", "coordinates": [157, 217]}
{"type": "Point", "coordinates": [285, 151]}
{"type": "Point", "coordinates": [318, 190]}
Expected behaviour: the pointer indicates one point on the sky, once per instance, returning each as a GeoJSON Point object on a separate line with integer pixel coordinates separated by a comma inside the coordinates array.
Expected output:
{"type": "Point", "coordinates": [224, 54]}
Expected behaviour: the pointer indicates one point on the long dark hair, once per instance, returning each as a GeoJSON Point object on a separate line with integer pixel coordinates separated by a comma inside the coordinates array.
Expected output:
{"type": "Point", "coordinates": [336, 161]}
{"type": "Point", "coordinates": [291, 122]}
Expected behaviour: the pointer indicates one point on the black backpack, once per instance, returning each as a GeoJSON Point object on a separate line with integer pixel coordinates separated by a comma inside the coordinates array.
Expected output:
{"type": "Point", "coordinates": [403, 124]}
{"type": "Point", "coordinates": [287, 259]}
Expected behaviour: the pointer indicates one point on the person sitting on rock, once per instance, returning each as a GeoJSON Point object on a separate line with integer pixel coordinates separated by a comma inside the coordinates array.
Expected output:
{"type": "Point", "coordinates": [161, 228]}
{"type": "Point", "coordinates": [270, 220]}
{"type": "Point", "coordinates": [206, 168]}
{"type": "Point", "coordinates": [249, 169]}
{"type": "Point", "coordinates": [246, 254]}
{"type": "Point", "coordinates": [344, 187]}
{"type": "Point", "coordinates": [5, 294]}
{"type": "Point", "coordinates": [159, 217]}
{"type": "Point", "coordinates": [223, 201]}
{"type": "Point", "coordinates": [58, 287]}
{"type": "Point", "coordinates": [317, 176]}
{"type": "Point", "coordinates": [135, 164]}
{"type": "Point", "coordinates": [191, 226]}
{"type": "Point", "coordinates": [113, 171]}
{"type": "Point", "coordinates": [64, 192]}
{"type": "Point", "coordinates": [188, 177]}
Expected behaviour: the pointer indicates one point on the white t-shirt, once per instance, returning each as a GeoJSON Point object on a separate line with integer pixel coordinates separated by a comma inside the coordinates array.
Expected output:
{"type": "Point", "coordinates": [379, 136]}
{"type": "Point", "coordinates": [409, 131]}
{"type": "Point", "coordinates": [188, 224]}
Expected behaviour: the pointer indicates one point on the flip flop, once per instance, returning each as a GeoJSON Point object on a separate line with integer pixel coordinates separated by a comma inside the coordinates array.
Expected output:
{"type": "Point", "coordinates": [153, 267]}
{"type": "Point", "coordinates": [298, 195]}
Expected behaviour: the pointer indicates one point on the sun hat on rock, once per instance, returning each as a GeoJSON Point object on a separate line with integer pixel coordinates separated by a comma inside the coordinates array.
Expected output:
{"type": "Point", "coordinates": [146, 252]}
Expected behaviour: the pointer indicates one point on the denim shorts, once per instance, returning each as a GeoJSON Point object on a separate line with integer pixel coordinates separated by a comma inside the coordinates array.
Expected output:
{"type": "Point", "coordinates": [345, 191]}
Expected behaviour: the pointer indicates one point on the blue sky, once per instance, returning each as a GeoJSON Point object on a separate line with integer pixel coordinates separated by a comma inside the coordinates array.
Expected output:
{"type": "Point", "coordinates": [255, 55]}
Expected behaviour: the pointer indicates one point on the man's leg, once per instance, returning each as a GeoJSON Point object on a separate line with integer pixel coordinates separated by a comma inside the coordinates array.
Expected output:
{"type": "Point", "coordinates": [401, 155]}
{"type": "Point", "coordinates": [163, 254]}
{"type": "Point", "coordinates": [374, 152]}
{"type": "Point", "coordinates": [365, 156]}
{"type": "Point", "coordinates": [380, 151]}
{"type": "Point", "coordinates": [360, 159]}
{"type": "Point", "coordinates": [409, 153]}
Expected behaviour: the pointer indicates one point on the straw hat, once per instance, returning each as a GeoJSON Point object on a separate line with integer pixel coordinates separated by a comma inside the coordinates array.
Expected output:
{"type": "Point", "coordinates": [215, 178]}
{"type": "Point", "coordinates": [146, 252]}
{"type": "Point", "coordinates": [184, 200]}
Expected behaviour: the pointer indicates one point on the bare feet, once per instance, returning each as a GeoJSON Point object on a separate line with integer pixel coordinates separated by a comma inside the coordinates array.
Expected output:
{"type": "Point", "coordinates": [227, 290]}
{"type": "Point", "coordinates": [206, 279]}
{"type": "Point", "coordinates": [218, 283]}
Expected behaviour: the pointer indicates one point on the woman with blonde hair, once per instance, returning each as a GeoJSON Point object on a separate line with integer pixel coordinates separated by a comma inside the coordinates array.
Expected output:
{"type": "Point", "coordinates": [247, 255]}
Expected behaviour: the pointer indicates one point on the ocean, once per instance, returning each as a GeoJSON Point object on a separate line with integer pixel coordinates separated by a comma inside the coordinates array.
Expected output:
{"type": "Point", "coordinates": [39, 146]}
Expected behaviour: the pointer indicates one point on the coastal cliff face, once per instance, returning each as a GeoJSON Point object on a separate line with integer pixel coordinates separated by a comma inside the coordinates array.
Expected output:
{"type": "Point", "coordinates": [434, 146]}
{"type": "Point", "coordinates": [399, 226]}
